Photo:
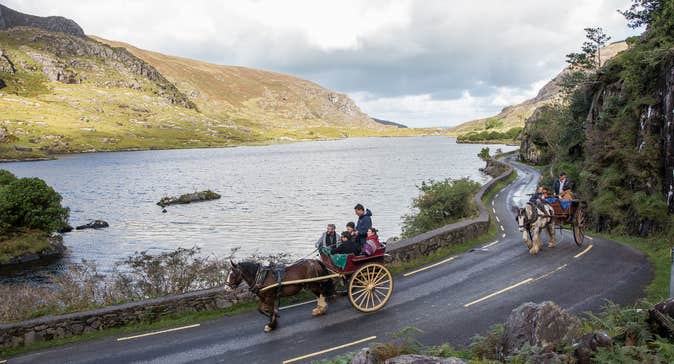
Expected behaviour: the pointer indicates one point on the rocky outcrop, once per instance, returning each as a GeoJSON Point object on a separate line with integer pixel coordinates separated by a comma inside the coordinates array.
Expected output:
{"type": "Point", "coordinates": [422, 359]}
{"type": "Point", "coordinates": [589, 344]}
{"type": "Point", "coordinates": [189, 198]}
{"type": "Point", "coordinates": [66, 58]}
{"type": "Point", "coordinates": [55, 250]}
{"type": "Point", "coordinates": [661, 318]}
{"type": "Point", "coordinates": [96, 224]}
{"type": "Point", "coordinates": [494, 168]}
{"type": "Point", "coordinates": [530, 150]}
{"type": "Point", "coordinates": [6, 65]}
{"type": "Point", "coordinates": [544, 325]}
{"type": "Point", "coordinates": [11, 18]}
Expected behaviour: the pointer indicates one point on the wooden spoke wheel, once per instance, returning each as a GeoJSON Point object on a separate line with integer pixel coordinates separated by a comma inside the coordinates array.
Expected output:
{"type": "Point", "coordinates": [579, 226]}
{"type": "Point", "coordinates": [370, 287]}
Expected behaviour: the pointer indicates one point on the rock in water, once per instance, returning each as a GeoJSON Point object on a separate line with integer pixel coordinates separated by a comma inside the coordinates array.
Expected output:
{"type": "Point", "coordinates": [66, 229]}
{"type": "Point", "coordinates": [96, 224]}
{"type": "Point", "coordinates": [189, 198]}
{"type": "Point", "coordinates": [541, 325]}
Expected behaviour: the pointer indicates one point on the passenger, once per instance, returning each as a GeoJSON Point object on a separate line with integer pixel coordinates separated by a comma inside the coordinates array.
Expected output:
{"type": "Point", "coordinates": [372, 242]}
{"type": "Point", "coordinates": [351, 228]}
{"type": "Point", "coordinates": [364, 223]}
{"type": "Point", "coordinates": [347, 246]}
{"type": "Point", "coordinates": [567, 195]}
{"type": "Point", "coordinates": [561, 185]}
{"type": "Point", "coordinates": [329, 239]}
{"type": "Point", "coordinates": [536, 195]}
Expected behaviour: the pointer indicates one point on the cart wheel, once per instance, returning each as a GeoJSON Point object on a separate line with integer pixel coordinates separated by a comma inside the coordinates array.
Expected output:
{"type": "Point", "coordinates": [370, 287]}
{"type": "Point", "coordinates": [579, 226]}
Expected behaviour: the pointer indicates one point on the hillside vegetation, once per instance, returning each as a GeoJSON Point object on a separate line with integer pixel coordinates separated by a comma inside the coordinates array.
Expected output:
{"type": "Point", "coordinates": [613, 133]}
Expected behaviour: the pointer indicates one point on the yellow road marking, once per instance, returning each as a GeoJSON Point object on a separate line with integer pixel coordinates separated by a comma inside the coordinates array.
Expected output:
{"type": "Point", "coordinates": [428, 267]}
{"type": "Point", "coordinates": [157, 332]}
{"type": "Point", "coordinates": [499, 292]}
{"type": "Point", "coordinates": [491, 244]}
{"type": "Point", "coordinates": [297, 304]}
{"type": "Point", "coordinates": [328, 350]}
{"type": "Point", "coordinates": [583, 252]}
{"type": "Point", "coordinates": [551, 273]}
{"type": "Point", "coordinates": [3, 361]}
{"type": "Point", "coordinates": [589, 237]}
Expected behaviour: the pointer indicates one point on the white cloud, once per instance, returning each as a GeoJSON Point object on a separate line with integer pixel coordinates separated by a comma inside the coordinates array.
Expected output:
{"type": "Point", "coordinates": [421, 62]}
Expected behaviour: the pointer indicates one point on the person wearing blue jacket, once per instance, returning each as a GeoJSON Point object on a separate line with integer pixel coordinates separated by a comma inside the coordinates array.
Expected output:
{"type": "Point", "coordinates": [363, 224]}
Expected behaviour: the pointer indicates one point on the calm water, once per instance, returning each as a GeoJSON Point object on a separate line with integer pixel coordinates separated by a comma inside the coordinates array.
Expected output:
{"type": "Point", "coordinates": [274, 198]}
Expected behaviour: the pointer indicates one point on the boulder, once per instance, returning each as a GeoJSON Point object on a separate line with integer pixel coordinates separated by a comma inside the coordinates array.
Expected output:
{"type": "Point", "coordinates": [66, 229]}
{"type": "Point", "coordinates": [422, 359]}
{"type": "Point", "coordinates": [661, 318]}
{"type": "Point", "coordinates": [189, 198]}
{"type": "Point", "coordinates": [96, 224]}
{"type": "Point", "coordinates": [543, 325]}
{"type": "Point", "coordinates": [589, 344]}
{"type": "Point", "coordinates": [549, 358]}
{"type": "Point", "coordinates": [364, 356]}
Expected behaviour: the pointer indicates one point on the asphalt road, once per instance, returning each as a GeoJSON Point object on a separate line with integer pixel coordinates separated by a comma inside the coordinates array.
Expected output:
{"type": "Point", "coordinates": [450, 302]}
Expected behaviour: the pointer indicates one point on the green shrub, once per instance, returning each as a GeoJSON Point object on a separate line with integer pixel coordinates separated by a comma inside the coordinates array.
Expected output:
{"type": "Point", "coordinates": [31, 203]}
{"type": "Point", "coordinates": [440, 203]}
{"type": "Point", "coordinates": [6, 177]}
{"type": "Point", "coordinates": [484, 154]}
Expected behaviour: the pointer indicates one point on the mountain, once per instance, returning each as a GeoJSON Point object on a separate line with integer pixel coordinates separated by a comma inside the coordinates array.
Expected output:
{"type": "Point", "coordinates": [11, 18]}
{"type": "Point", "coordinates": [390, 123]}
{"type": "Point", "coordinates": [62, 92]}
{"type": "Point", "coordinates": [515, 116]}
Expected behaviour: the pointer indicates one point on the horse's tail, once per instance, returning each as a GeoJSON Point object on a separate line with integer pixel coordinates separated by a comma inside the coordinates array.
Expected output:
{"type": "Point", "coordinates": [328, 285]}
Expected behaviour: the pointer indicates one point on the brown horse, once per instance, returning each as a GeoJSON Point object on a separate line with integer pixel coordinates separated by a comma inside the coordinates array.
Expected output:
{"type": "Point", "coordinates": [303, 269]}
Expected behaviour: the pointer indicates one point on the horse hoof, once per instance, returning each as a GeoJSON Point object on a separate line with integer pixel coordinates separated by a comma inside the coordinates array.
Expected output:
{"type": "Point", "coordinates": [318, 311]}
{"type": "Point", "coordinates": [267, 328]}
{"type": "Point", "coordinates": [551, 245]}
{"type": "Point", "coordinates": [533, 251]}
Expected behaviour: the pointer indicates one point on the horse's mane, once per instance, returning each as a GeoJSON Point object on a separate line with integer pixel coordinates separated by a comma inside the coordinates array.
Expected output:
{"type": "Point", "coordinates": [248, 267]}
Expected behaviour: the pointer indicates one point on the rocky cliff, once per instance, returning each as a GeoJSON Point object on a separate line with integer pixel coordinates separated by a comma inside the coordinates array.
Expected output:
{"type": "Point", "coordinates": [613, 136]}
{"type": "Point", "coordinates": [11, 18]}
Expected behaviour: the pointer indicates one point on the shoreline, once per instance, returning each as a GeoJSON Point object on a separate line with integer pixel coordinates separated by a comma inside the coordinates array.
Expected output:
{"type": "Point", "coordinates": [245, 144]}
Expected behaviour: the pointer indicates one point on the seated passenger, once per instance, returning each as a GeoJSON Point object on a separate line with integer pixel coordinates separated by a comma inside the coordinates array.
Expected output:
{"type": "Point", "coordinates": [347, 246]}
{"type": "Point", "coordinates": [329, 238]}
{"type": "Point", "coordinates": [536, 195]}
{"type": "Point", "coordinates": [351, 228]}
{"type": "Point", "coordinates": [371, 242]}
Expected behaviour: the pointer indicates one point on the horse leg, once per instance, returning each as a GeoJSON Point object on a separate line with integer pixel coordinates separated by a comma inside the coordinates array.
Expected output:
{"type": "Point", "coordinates": [525, 237]}
{"type": "Point", "coordinates": [321, 306]}
{"type": "Point", "coordinates": [537, 241]}
{"type": "Point", "coordinates": [551, 233]}
{"type": "Point", "coordinates": [269, 310]}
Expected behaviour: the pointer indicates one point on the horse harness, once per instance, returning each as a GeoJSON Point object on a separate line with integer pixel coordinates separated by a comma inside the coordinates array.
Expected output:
{"type": "Point", "coordinates": [278, 271]}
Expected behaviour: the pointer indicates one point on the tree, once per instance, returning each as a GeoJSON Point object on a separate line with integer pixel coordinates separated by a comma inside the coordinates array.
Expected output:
{"type": "Point", "coordinates": [641, 12]}
{"type": "Point", "coordinates": [590, 56]}
{"type": "Point", "coordinates": [484, 154]}
{"type": "Point", "coordinates": [31, 203]}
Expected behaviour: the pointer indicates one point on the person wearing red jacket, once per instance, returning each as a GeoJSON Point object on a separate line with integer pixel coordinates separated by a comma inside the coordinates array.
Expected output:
{"type": "Point", "coordinates": [371, 242]}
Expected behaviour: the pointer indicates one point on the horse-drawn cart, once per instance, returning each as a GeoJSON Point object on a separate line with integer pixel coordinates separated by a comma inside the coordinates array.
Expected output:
{"type": "Point", "coordinates": [574, 215]}
{"type": "Point", "coordinates": [369, 282]}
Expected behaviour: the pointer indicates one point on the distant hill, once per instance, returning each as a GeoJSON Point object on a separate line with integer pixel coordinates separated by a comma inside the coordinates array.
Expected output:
{"type": "Point", "coordinates": [61, 91]}
{"type": "Point", "coordinates": [390, 123]}
{"type": "Point", "coordinates": [515, 116]}
{"type": "Point", "coordinates": [11, 18]}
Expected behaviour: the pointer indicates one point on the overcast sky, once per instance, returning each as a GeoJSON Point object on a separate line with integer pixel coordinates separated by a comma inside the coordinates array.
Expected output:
{"type": "Point", "coordinates": [422, 63]}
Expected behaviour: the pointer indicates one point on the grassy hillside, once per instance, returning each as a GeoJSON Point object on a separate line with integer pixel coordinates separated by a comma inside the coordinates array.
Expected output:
{"type": "Point", "coordinates": [514, 117]}
{"type": "Point", "coordinates": [64, 93]}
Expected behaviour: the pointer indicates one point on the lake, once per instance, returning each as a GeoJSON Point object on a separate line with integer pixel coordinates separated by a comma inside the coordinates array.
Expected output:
{"type": "Point", "coordinates": [275, 198]}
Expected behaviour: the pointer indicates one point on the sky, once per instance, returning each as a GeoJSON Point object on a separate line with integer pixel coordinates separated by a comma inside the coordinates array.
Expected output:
{"type": "Point", "coordinates": [421, 63]}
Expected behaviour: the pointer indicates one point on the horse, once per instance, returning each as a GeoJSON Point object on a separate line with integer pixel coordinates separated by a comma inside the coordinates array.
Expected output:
{"type": "Point", "coordinates": [306, 268]}
{"type": "Point", "coordinates": [531, 220]}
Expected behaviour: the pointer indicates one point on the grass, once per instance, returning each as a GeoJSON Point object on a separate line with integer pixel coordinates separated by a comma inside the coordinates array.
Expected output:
{"type": "Point", "coordinates": [30, 242]}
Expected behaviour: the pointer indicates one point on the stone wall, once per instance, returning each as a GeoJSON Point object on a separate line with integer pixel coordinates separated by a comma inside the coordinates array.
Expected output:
{"type": "Point", "coordinates": [62, 326]}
